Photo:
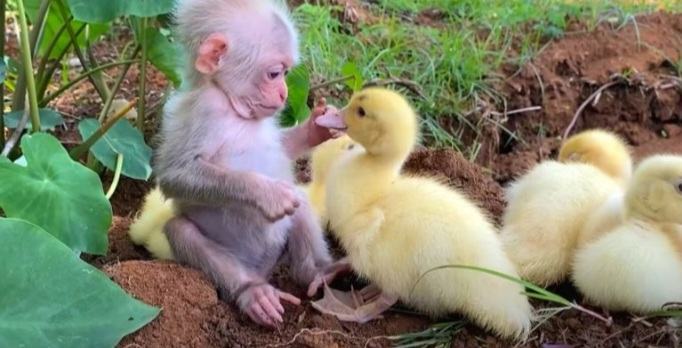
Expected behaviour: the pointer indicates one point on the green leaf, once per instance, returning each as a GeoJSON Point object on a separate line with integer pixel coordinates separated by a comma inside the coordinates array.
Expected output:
{"type": "Point", "coordinates": [56, 193]}
{"type": "Point", "coordinates": [102, 11]}
{"type": "Point", "coordinates": [356, 81]}
{"type": "Point", "coordinates": [122, 138]}
{"type": "Point", "coordinates": [3, 71]}
{"type": "Point", "coordinates": [297, 110]}
{"type": "Point", "coordinates": [51, 298]}
{"type": "Point", "coordinates": [165, 55]}
{"type": "Point", "coordinates": [49, 119]}
{"type": "Point", "coordinates": [54, 22]}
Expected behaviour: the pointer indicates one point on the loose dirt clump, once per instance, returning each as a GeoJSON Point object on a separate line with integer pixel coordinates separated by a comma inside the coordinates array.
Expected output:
{"type": "Point", "coordinates": [186, 297]}
{"type": "Point", "coordinates": [451, 167]}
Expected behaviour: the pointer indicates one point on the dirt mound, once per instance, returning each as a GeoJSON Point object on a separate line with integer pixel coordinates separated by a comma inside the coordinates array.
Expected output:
{"type": "Point", "coordinates": [457, 171]}
{"type": "Point", "coordinates": [121, 248]}
{"type": "Point", "coordinates": [626, 76]}
{"type": "Point", "coordinates": [186, 297]}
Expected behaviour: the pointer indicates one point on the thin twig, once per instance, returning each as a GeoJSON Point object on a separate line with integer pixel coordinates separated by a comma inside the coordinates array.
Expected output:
{"type": "Point", "coordinates": [587, 102]}
{"type": "Point", "coordinates": [331, 82]}
{"type": "Point", "coordinates": [517, 111]}
{"type": "Point", "coordinates": [409, 84]}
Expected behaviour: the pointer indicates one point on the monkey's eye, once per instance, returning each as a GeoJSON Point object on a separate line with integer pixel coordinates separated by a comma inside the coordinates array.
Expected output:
{"type": "Point", "coordinates": [286, 72]}
{"type": "Point", "coordinates": [273, 75]}
{"type": "Point", "coordinates": [361, 112]}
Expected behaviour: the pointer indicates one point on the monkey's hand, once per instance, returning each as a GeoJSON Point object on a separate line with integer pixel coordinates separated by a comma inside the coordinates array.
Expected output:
{"type": "Point", "coordinates": [318, 134]}
{"type": "Point", "coordinates": [262, 303]}
{"type": "Point", "coordinates": [278, 199]}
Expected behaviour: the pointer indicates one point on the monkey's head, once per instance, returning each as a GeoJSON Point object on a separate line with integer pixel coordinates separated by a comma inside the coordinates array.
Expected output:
{"type": "Point", "coordinates": [245, 47]}
{"type": "Point", "coordinates": [655, 190]}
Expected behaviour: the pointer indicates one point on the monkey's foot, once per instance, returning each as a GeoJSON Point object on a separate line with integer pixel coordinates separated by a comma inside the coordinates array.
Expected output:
{"type": "Point", "coordinates": [262, 304]}
{"type": "Point", "coordinates": [355, 306]}
{"type": "Point", "coordinates": [329, 274]}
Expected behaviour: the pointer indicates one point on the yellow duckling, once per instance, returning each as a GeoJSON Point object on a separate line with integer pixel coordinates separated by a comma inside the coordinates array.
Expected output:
{"type": "Point", "coordinates": [147, 229]}
{"type": "Point", "coordinates": [396, 228]}
{"type": "Point", "coordinates": [638, 265]}
{"type": "Point", "coordinates": [601, 148]}
{"type": "Point", "coordinates": [551, 209]}
{"type": "Point", "coordinates": [321, 162]}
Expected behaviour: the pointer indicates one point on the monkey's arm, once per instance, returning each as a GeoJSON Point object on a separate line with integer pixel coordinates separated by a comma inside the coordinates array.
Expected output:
{"type": "Point", "coordinates": [297, 141]}
{"type": "Point", "coordinates": [199, 181]}
{"type": "Point", "coordinates": [202, 182]}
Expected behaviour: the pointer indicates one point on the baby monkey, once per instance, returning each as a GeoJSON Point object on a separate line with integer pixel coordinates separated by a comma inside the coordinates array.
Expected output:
{"type": "Point", "coordinates": [228, 166]}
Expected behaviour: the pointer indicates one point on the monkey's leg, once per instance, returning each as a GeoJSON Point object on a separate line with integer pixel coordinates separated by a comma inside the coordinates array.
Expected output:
{"type": "Point", "coordinates": [253, 295]}
{"type": "Point", "coordinates": [307, 248]}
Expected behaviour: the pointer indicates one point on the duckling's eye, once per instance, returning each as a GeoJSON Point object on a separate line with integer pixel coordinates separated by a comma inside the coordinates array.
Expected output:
{"type": "Point", "coordinates": [351, 146]}
{"type": "Point", "coordinates": [678, 187]}
{"type": "Point", "coordinates": [361, 112]}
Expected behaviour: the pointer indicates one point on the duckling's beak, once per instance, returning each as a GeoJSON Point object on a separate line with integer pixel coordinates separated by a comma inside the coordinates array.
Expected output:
{"type": "Point", "coordinates": [332, 119]}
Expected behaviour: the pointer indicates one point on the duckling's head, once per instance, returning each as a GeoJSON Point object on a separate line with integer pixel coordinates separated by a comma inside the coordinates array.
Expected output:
{"type": "Point", "coordinates": [326, 153]}
{"type": "Point", "coordinates": [600, 148]}
{"type": "Point", "coordinates": [382, 121]}
{"type": "Point", "coordinates": [655, 190]}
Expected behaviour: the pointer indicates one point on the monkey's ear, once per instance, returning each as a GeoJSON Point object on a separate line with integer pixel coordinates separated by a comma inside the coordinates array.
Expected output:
{"type": "Point", "coordinates": [210, 52]}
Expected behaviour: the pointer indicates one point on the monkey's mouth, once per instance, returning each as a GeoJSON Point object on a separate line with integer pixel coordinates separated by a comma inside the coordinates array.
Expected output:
{"type": "Point", "coordinates": [331, 120]}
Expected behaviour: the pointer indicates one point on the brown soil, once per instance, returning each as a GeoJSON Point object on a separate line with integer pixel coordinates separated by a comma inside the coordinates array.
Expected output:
{"type": "Point", "coordinates": [457, 171]}
{"type": "Point", "coordinates": [643, 104]}
{"type": "Point", "coordinates": [646, 108]}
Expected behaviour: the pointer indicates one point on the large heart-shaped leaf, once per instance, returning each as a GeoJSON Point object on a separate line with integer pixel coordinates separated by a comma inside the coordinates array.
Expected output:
{"type": "Point", "coordinates": [297, 110]}
{"type": "Point", "coordinates": [166, 56]}
{"type": "Point", "coordinates": [102, 11]}
{"type": "Point", "coordinates": [49, 119]}
{"type": "Point", "coordinates": [123, 139]}
{"type": "Point", "coordinates": [53, 24]}
{"type": "Point", "coordinates": [50, 298]}
{"type": "Point", "coordinates": [56, 193]}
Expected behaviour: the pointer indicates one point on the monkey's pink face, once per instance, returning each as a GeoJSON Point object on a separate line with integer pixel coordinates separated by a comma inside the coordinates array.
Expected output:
{"type": "Point", "coordinates": [272, 90]}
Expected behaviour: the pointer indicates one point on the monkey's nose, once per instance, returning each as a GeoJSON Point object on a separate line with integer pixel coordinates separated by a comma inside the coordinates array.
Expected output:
{"type": "Point", "coordinates": [283, 96]}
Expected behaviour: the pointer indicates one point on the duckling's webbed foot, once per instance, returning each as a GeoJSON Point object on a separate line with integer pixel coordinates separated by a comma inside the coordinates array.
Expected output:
{"type": "Point", "coordinates": [329, 274]}
{"type": "Point", "coordinates": [355, 306]}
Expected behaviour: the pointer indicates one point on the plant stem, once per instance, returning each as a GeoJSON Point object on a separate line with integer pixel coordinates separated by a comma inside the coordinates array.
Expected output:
{"type": "Point", "coordinates": [77, 49]}
{"type": "Point", "coordinates": [47, 76]}
{"type": "Point", "coordinates": [28, 67]}
{"type": "Point", "coordinates": [117, 176]}
{"type": "Point", "coordinates": [82, 77]}
{"type": "Point", "coordinates": [43, 62]}
{"type": "Point", "coordinates": [81, 149]}
{"type": "Point", "coordinates": [19, 97]}
{"type": "Point", "coordinates": [3, 8]}
{"type": "Point", "coordinates": [117, 85]}
{"type": "Point", "coordinates": [143, 76]}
